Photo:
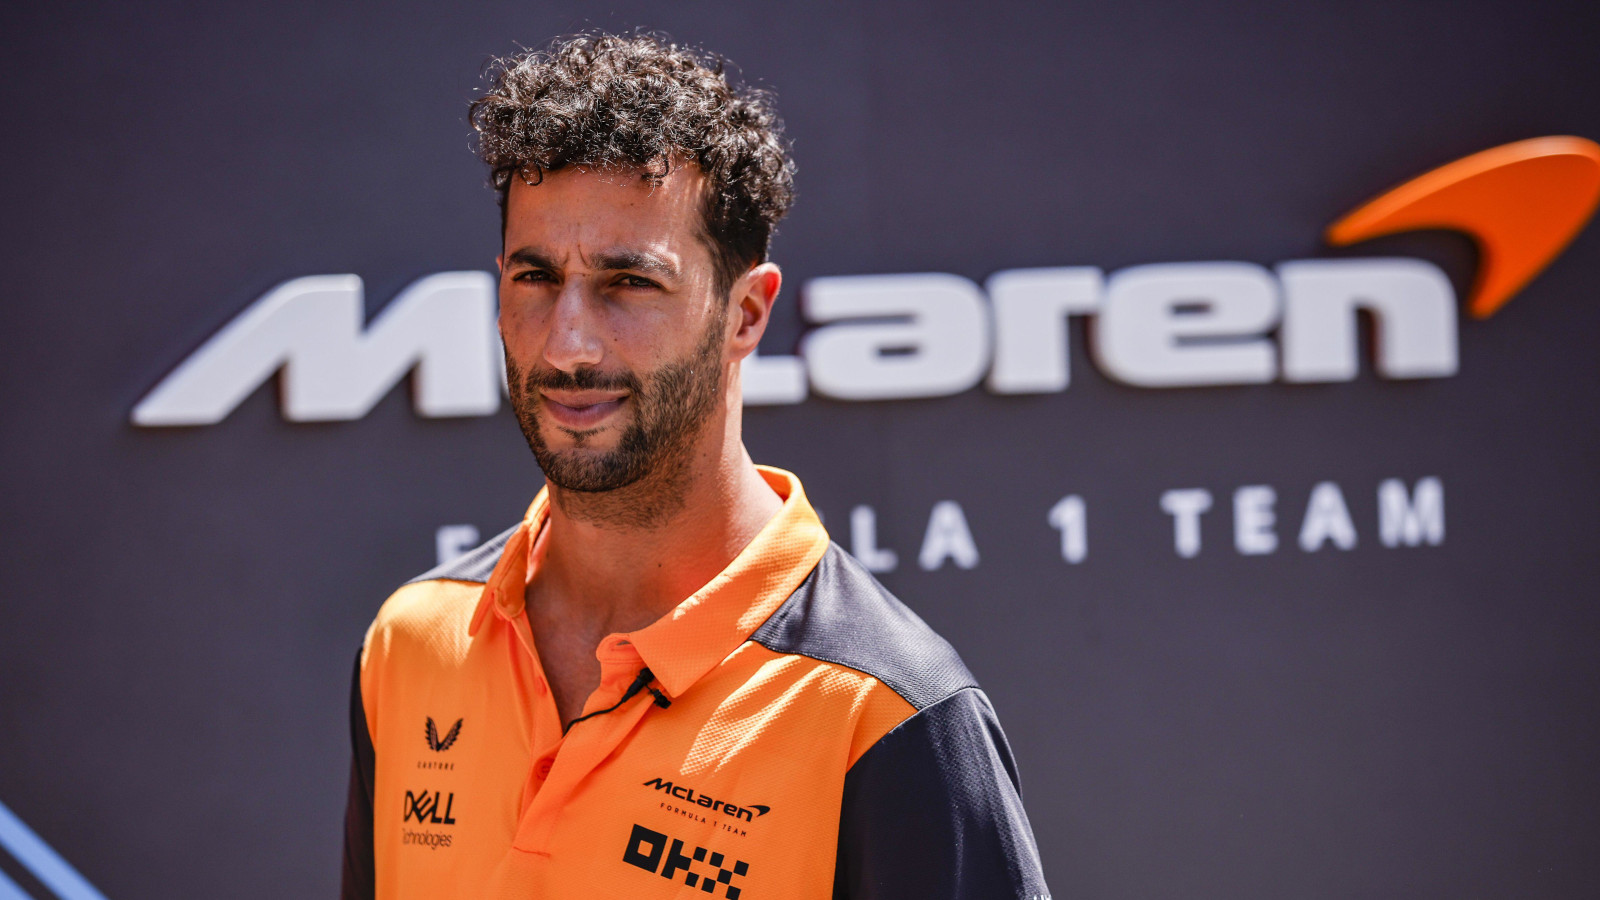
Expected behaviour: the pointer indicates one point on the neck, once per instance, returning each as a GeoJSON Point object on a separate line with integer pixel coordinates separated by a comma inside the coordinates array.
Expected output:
{"type": "Point", "coordinates": [618, 561]}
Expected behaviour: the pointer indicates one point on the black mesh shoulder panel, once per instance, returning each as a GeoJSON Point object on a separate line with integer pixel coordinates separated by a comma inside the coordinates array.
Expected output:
{"type": "Point", "coordinates": [841, 614]}
{"type": "Point", "coordinates": [934, 810]}
{"type": "Point", "coordinates": [474, 566]}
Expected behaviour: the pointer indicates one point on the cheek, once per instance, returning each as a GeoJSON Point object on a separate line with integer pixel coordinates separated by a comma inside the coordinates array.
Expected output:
{"type": "Point", "coordinates": [634, 337]}
{"type": "Point", "coordinates": [639, 338]}
{"type": "Point", "coordinates": [520, 330]}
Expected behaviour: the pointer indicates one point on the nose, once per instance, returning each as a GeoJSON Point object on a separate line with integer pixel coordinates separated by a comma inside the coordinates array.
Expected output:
{"type": "Point", "coordinates": [574, 340]}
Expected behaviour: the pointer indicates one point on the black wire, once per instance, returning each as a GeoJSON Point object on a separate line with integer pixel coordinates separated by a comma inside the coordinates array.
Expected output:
{"type": "Point", "coordinates": [640, 682]}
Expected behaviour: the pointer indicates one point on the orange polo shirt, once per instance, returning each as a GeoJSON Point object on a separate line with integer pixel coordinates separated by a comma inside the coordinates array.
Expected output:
{"type": "Point", "coordinates": [788, 731]}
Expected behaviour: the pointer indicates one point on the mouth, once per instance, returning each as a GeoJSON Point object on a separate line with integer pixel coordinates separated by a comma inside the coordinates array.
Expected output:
{"type": "Point", "coordinates": [581, 410]}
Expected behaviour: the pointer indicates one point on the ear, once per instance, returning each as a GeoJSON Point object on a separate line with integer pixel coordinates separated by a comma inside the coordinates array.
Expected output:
{"type": "Point", "coordinates": [752, 298]}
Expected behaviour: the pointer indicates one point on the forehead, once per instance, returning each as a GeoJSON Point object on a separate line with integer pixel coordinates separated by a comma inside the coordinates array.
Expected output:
{"type": "Point", "coordinates": [583, 209]}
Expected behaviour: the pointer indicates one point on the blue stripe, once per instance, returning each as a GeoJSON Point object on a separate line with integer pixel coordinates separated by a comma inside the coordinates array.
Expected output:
{"type": "Point", "coordinates": [9, 890]}
{"type": "Point", "coordinates": [45, 864]}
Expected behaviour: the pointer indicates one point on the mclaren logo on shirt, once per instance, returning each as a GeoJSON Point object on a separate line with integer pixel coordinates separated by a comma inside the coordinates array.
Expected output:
{"type": "Point", "coordinates": [648, 850]}
{"type": "Point", "coordinates": [748, 813]}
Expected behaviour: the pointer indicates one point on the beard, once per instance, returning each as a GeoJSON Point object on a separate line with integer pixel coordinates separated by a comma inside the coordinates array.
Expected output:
{"type": "Point", "coordinates": [670, 408]}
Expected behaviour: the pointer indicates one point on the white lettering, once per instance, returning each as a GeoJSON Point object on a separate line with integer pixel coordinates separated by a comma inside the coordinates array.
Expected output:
{"type": "Point", "coordinates": [1327, 519]}
{"type": "Point", "coordinates": [1185, 506]}
{"type": "Point", "coordinates": [1414, 519]}
{"type": "Point", "coordinates": [1188, 324]}
{"type": "Point", "coordinates": [881, 337]}
{"type": "Point", "coordinates": [1253, 519]}
{"type": "Point", "coordinates": [1071, 517]}
{"type": "Point", "coordinates": [935, 342]}
{"type": "Point", "coordinates": [772, 380]}
{"type": "Point", "coordinates": [451, 541]}
{"type": "Point", "coordinates": [442, 326]}
{"type": "Point", "coordinates": [864, 541]}
{"type": "Point", "coordinates": [947, 537]}
{"type": "Point", "coordinates": [1411, 300]}
{"type": "Point", "coordinates": [1030, 335]}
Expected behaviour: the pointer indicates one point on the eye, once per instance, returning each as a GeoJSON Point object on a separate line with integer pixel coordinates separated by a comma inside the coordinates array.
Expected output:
{"type": "Point", "coordinates": [636, 281]}
{"type": "Point", "coordinates": [533, 275]}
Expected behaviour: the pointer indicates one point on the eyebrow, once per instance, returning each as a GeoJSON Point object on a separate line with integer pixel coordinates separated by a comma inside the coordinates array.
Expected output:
{"type": "Point", "coordinates": [634, 260]}
{"type": "Point", "coordinates": [531, 258]}
{"type": "Point", "coordinates": [605, 260]}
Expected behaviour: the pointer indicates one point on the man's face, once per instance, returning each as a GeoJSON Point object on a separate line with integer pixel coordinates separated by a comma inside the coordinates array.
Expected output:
{"type": "Point", "coordinates": [615, 342]}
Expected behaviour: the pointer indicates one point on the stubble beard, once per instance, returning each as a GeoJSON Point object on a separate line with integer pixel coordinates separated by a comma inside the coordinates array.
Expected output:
{"type": "Point", "coordinates": [644, 479]}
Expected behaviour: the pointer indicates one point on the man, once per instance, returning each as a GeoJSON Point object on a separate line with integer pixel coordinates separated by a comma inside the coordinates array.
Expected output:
{"type": "Point", "coordinates": [665, 677]}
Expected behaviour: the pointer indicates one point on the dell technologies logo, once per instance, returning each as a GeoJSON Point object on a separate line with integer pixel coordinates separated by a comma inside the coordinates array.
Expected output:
{"type": "Point", "coordinates": [428, 808]}
{"type": "Point", "coordinates": [424, 807]}
{"type": "Point", "coordinates": [886, 337]}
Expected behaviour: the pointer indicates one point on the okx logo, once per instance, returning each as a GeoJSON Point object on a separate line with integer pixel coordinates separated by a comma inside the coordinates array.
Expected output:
{"type": "Point", "coordinates": [424, 807]}
{"type": "Point", "coordinates": [441, 744]}
{"type": "Point", "coordinates": [648, 850]}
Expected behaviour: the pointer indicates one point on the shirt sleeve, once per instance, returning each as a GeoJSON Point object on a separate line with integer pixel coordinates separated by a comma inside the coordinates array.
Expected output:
{"type": "Point", "coordinates": [934, 810]}
{"type": "Point", "coordinates": [358, 882]}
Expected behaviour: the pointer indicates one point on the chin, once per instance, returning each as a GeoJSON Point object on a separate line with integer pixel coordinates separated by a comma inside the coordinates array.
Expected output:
{"type": "Point", "coordinates": [579, 457]}
{"type": "Point", "coordinates": [590, 442]}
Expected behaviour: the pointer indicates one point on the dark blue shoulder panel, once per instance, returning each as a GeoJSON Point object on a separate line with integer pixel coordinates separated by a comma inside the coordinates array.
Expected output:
{"type": "Point", "coordinates": [934, 809]}
{"type": "Point", "coordinates": [475, 565]}
{"type": "Point", "coordinates": [841, 614]}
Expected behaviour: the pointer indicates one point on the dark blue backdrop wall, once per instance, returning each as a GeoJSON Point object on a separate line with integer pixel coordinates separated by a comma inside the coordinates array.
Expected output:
{"type": "Point", "coordinates": [181, 604]}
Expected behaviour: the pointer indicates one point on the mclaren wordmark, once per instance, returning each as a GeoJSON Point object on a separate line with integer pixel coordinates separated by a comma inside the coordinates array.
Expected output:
{"type": "Point", "coordinates": [881, 337]}
{"type": "Point", "coordinates": [887, 337]}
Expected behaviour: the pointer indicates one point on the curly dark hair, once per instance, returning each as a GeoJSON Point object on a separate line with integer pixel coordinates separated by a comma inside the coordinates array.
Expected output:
{"type": "Point", "coordinates": [638, 101]}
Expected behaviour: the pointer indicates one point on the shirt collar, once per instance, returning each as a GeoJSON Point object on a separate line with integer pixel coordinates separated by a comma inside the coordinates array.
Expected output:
{"type": "Point", "coordinates": [693, 637]}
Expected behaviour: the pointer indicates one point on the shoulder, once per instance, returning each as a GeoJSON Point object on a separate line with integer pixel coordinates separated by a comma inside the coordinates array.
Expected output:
{"type": "Point", "coordinates": [841, 615]}
{"type": "Point", "coordinates": [472, 567]}
{"type": "Point", "coordinates": [435, 607]}
{"type": "Point", "coordinates": [931, 803]}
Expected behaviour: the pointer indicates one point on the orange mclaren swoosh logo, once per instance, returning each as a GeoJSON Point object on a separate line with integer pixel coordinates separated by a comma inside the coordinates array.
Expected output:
{"type": "Point", "coordinates": [1522, 202]}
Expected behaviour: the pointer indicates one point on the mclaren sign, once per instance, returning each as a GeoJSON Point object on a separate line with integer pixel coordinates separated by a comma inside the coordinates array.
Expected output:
{"type": "Point", "coordinates": [886, 337]}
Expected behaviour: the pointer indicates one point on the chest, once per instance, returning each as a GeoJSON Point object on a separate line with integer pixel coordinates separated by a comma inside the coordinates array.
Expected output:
{"type": "Point", "coordinates": [733, 790]}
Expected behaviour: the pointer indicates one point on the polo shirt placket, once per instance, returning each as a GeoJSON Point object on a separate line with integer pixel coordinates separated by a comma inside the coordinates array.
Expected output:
{"type": "Point", "coordinates": [682, 645]}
